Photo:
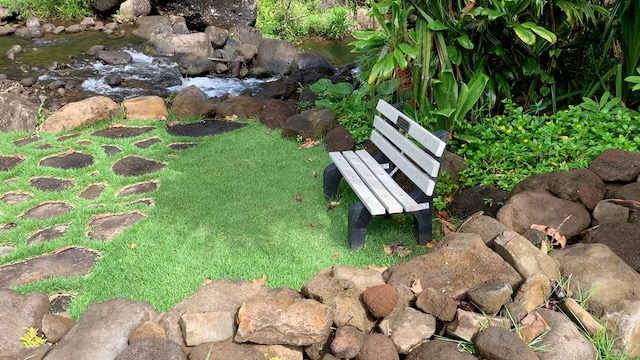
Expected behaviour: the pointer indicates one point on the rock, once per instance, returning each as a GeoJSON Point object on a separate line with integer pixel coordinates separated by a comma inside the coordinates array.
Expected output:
{"type": "Point", "coordinates": [58, 30]}
{"type": "Point", "coordinates": [56, 84]}
{"type": "Point", "coordinates": [72, 29]}
{"type": "Point", "coordinates": [246, 52]}
{"type": "Point", "coordinates": [487, 227]}
{"type": "Point", "coordinates": [242, 107]}
{"type": "Point", "coordinates": [222, 13]}
{"type": "Point", "coordinates": [534, 182]}
{"type": "Point", "coordinates": [347, 342]}
{"type": "Point", "coordinates": [448, 265]}
{"type": "Point", "coordinates": [339, 139]}
{"type": "Point", "coordinates": [275, 112]}
{"type": "Point", "coordinates": [313, 62]}
{"type": "Point", "coordinates": [36, 353]}
{"type": "Point", "coordinates": [341, 288]}
{"type": "Point", "coordinates": [18, 114]}
{"type": "Point", "coordinates": [578, 185]}
{"type": "Point", "coordinates": [622, 238]}
{"type": "Point", "coordinates": [310, 124]}
{"type": "Point", "coordinates": [410, 328]}
{"type": "Point", "coordinates": [467, 324]}
{"type": "Point", "coordinates": [113, 79]}
{"type": "Point", "coordinates": [497, 343]}
{"type": "Point", "coordinates": [246, 34]}
{"type": "Point", "coordinates": [524, 257]}
{"type": "Point", "coordinates": [278, 57]}
{"type": "Point", "coordinates": [488, 199]}
{"type": "Point", "coordinates": [452, 164]}
{"type": "Point", "coordinates": [145, 108]}
{"type": "Point", "coordinates": [378, 347]}
{"type": "Point", "coordinates": [88, 22]}
{"type": "Point", "coordinates": [617, 165]}
{"type": "Point", "coordinates": [54, 327]}
{"type": "Point", "coordinates": [27, 82]}
{"type": "Point", "coordinates": [439, 350]}
{"type": "Point", "coordinates": [193, 66]}
{"type": "Point", "coordinates": [48, 28]}
{"type": "Point", "coordinates": [490, 296]}
{"type": "Point", "coordinates": [441, 306]}
{"type": "Point", "coordinates": [131, 9]}
{"type": "Point", "coordinates": [284, 321]}
{"type": "Point", "coordinates": [534, 292]}
{"type": "Point", "coordinates": [581, 316]}
{"type": "Point", "coordinates": [194, 44]}
{"type": "Point", "coordinates": [200, 328]}
{"type": "Point", "coordinates": [150, 26]}
{"type": "Point", "coordinates": [217, 36]}
{"type": "Point", "coordinates": [80, 113]}
{"type": "Point", "coordinates": [380, 299]}
{"type": "Point", "coordinates": [147, 330]}
{"type": "Point", "coordinates": [114, 57]}
{"type": "Point", "coordinates": [226, 350]}
{"type": "Point", "coordinates": [169, 322]}
{"type": "Point", "coordinates": [18, 312]}
{"type": "Point", "coordinates": [541, 207]}
{"type": "Point", "coordinates": [280, 352]}
{"type": "Point", "coordinates": [629, 192]}
{"type": "Point", "coordinates": [105, 6]}
{"type": "Point", "coordinates": [7, 30]}
{"type": "Point", "coordinates": [15, 49]}
{"type": "Point", "coordinates": [152, 349]}
{"type": "Point", "coordinates": [191, 101]}
{"type": "Point", "coordinates": [564, 341]}
{"type": "Point", "coordinates": [607, 212]}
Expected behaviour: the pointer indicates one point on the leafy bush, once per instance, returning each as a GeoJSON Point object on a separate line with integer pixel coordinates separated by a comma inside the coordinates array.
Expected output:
{"type": "Point", "coordinates": [61, 9]}
{"type": "Point", "coordinates": [510, 147]}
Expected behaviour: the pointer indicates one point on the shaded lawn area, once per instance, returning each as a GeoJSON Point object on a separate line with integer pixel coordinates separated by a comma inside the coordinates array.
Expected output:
{"type": "Point", "coordinates": [229, 208]}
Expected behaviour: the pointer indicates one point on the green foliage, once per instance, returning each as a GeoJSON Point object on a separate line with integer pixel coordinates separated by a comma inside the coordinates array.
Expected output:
{"type": "Point", "coordinates": [510, 147]}
{"type": "Point", "coordinates": [635, 80]}
{"type": "Point", "coordinates": [31, 338]}
{"type": "Point", "coordinates": [57, 9]}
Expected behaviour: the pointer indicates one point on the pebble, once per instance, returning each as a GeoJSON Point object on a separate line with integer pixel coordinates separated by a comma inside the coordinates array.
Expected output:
{"type": "Point", "coordinates": [30, 81]}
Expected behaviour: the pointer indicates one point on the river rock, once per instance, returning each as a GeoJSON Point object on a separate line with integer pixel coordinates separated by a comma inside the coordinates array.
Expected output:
{"type": "Point", "coordinates": [275, 112]}
{"type": "Point", "coordinates": [149, 26]}
{"type": "Point", "coordinates": [347, 342]}
{"type": "Point", "coordinates": [533, 292]}
{"type": "Point", "coordinates": [313, 62]}
{"type": "Point", "coordinates": [113, 79]}
{"type": "Point", "coordinates": [58, 30]}
{"type": "Point", "coordinates": [442, 306]}
{"type": "Point", "coordinates": [194, 66]}
{"type": "Point", "coordinates": [114, 57]}
{"type": "Point", "coordinates": [378, 347]}
{"type": "Point", "coordinates": [497, 343]}
{"type": "Point", "coordinates": [467, 324]}
{"type": "Point", "coordinates": [88, 22]}
{"type": "Point", "coordinates": [191, 101]}
{"type": "Point", "coordinates": [564, 341]}
{"type": "Point", "coordinates": [145, 108]}
{"type": "Point", "coordinates": [105, 6]}
{"type": "Point", "coordinates": [448, 265]}
{"type": "Point", "coordinates": [439, 350]}
{"type": "Point", "coordinates": [71, 29]}
{"type": "Point", "coordinates": [617, 165]}
{"type": "Point", "coordinates": [7, 30]}
{"type": "Point", "coordinates": [278, 57]}
{"type": "Point", "coordinates": [541, 207]}
{"type": "Point", "coordinates": [131, 9]}
{"type": "Point", "coordinates": [629, 192]}
{"type": "Point", "coordinates": [242, 107]}
{"type": "Point", "coordinates": [578, 185]}
{"type": "Point", "coordinates": [54, 327]}
{"type": "Point", "coordinates": [80, 113]}
{"type": "Point", "coordinates": [18, 114]}
{"type": "Point", "coordinates": [524, 256]}
{"type": "Point", "coordinates": [18, 312]}
{"type": "Point", "coordinates": [607, 212]}
{"type": "Point", "coordinates": [490, 296]}
{"type": "Point", "coordinates": [200, 328]}
{"type": "Point", "coordinates": [221, 13]}
{"type": "Point", "coordinates": [622, 238]}
{"type": "Point", "coordinates": [31, 32]}
{"type": "Point", "coordinates": [313, 123]}
{"type": "Point", "coordinates": [410, 328]}
{"type": "Point", "coordinates": [195, 44]}
{"type": "Point", "coordinates": [28, 81]}
{"type": "Point", "coordinates": [487, 227]}
{"type": "Point", "coordinates": [246, 52]}
{"type": "Point", "coordinates": [217, 36]}
{"type": "Point", "coordinates": [339, 139]}
{"type": "Point", "coordinates": [152, 349]}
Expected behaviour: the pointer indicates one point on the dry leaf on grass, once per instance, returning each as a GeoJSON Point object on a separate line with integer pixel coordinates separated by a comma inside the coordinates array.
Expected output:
{"type": "Point", "coordinates": [556, 238]}
{"type": "Point", "coordinates": [404, 252]}
{"type": "Point", "coordinates": [62, 249]}
{"type": "Point", "coordinates": [68, 152]}
{"type": "Point", "coordinates": [308, 143]}
{"type": "Point", "coordinates": [543, 246]}
{"type": "Point", "coordinates": [631, 204]}
{"type": "Point", "coordinates": [118, 125]}
{"type": "Point", "coordinates": [332, 205]}
{"type": "Point", "coordinates": [379, 269]}
{"type": "Point", "coordinates": [335, 256]}
{"type": "Point", "coordinates": [206, 281]}
{"type": "Point", "coordinates": [431, 244]}
{"type": "Point", "coordinates": [171, 124]}
{"type": "Point", "coordinates": [416, 287]}
{"type": "Point", "coordinates": [311, 226]}
{"type": "Point", "coordinates": [261, 281]}
{"type": "Point", "coordinates": [314, 173]}
{"type": "Point", "coordinates": [134, 246]}
{"type": "Point", "coordinates": [232, 117]}
{"type": "Point", "coordinates": [298, 198]}
{"type": "Point", "coordinates": [20, 157]}
{"type": "Point", "coordinates": [309, 160]}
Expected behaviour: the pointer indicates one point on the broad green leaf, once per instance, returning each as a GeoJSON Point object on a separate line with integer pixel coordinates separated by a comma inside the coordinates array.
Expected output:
{"type": "Point", "coordinates": [445, 90]}
{"type": "Point", "coordinates": [497, 50]}
{"type": "Point", "coordinates": [467, 138]}
{"type": "Point", "coordinates": [472, 93]}
{"type": "Point", "coordinates": [542, 32]}
{"type": "Point", "coordinates": [454, 54]}
{"type": "Point", "coordinates": [409, 50]}
{"type": "Point", "coordinates": [376, 70]}
{"type": "Point", "coordinates": [444, 112]}
{"type": "Point", "coordinates": [320, 85]}
{"type": "Point", "coordinates": [465, 41]}
{"type": "Point", "coordinates": [437, 26]}
{"type": "Point", "coordinates": [530, 67]}
{"type": "Point", "coordinates": [389, 66]}
{"type": "Point", "coordinates": [525, 34]}
{"type": "Point", "coordinates": [493, 14]}
{"type": "Point", "coordinates": [388, 87]}
{"type": "Point", "coordinates": [400, 59]}
{"type": "Point", "coordinates": [340, 89]}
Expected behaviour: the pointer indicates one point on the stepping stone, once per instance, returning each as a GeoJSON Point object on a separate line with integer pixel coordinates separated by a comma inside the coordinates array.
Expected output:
{"type": "Point", "coordinates": [44, 146]}
{"type": "Point", "coordinates": [6, 250]}
{"type": "Point", "coordinates": [6, 227]}
{"type": "Point", "coordinates": [111, 150]}
{"type": "Point", "coordinates": [143, 144]}
{"type": "Point", "coordinates": [135, 165]}
{"type": "Point", "coordinates": [59, 303]}
{"type": "Point", "coordinates": [25, 141]}
{"type": "Point", "coordinates": [61, 263]}
{"type": "Point", "coordinates": [15, 197]}
{"type": "Point", "coordinates": [69, 160]}
{"type": "Point", "coordinates": [92, 191]}
{"type": "Point", "coordinates": [84, 142]}
{"type": "Point", "coordinates": [9, 162]}
{"type": "Point", "coordinates": [145, 201]}
{"type": "Point", "coordinates": [204, 128]}
{"type": "Point", "coordinates": [108, 227]}
{"type": "Point", "coordinates": [137, 189]}
{"type": "Point", "coordinates": [48, 234]}
{"type": "Point", "coordinates": [181, 146]}
{"type": "Point", "coordinates": [52, 184]}
{"type": "Point", "coordinates": [68, 136]}
{"type": "Point", "coordinates": [47, 210]}
{"type": "Point", "coordinates": [121, 132]}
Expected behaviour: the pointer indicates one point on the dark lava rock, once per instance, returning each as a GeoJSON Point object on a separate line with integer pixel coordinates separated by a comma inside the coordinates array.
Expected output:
{"type": "Point", "coordinates": [533, 182]}
{"type": "Point", "coordinates": [25, 141]}
{"type": "Point", "coordinates": [313, 123]}
{"type": "Point", "coordinates": [9, 162]}
{"type": "Point", "coordinates": [275, 112]}
{"type": "Point", "coordinates": [52, 184]}
{"type": "Point", "coordinates": [497, 343]}
{"type": "Point", "coordinates": [578, 185]}
{"type": "Point", "coordinates": [488, 199]}
{"type": "Point", "coordinates": [109, 226]}
{"type": "Point", "coordinates": [152, 349]}
{"type": "Point", "coordinates": [629, 192]}
{"type": "Point", "coordinates": [123, 132]}
{"type": "Point", "coordinates": [92, 191]}
{"type": "Point", "coordinates": [617, 165]}
{"type": "Point", "coordinates": [73, 160]}
{"type": "Point", "coordinates": [181, 146]}
{"type": "Point", "coordinates": [44, 146]}
{"type": "Point", "coordinates": [347, 342]}
{"type": "Point", "coordinates": [113, 79]}
{"type": "Point", "coordinates": [244, 107]}
{"type": "Point", "coordinates": [339, 139]}
{"type": "Point", "coordinates": [48, 234]}
{"type": "Point", "coordinates": [378, 347]}
{"type": "Point", "coordinates": [380, 299]}
{"type": "Point", "coordinates": [622, 238]}
{"type": "Point", "coordinates": [135, 166]}
{"type": "Point", "coordinates": [438, 350]}
{"type": "Point", "coordinates": [111, 150]}
{"type": "Point", "coordinates": [47, 210]}
{"type": "Point", "coordinates": [439, 305]}
{"type": "Point", "coordinates": [204, 128]}
{"type": "Point", "coordinates": [191, 101]}
{"type": "Point", "coordinates": [143, 144]}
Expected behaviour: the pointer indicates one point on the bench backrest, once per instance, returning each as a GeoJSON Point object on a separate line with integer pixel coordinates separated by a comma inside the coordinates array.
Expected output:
{"type": "Point", "coordinates": [397, 136]}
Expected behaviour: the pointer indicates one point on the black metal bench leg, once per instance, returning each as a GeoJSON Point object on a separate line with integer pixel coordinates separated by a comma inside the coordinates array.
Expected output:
{"type": "Point", "coordinates": [422, 226]}
{"type": "Point", "coordinates": [330, 181]}
{"type": "Point", "coordinates": [359, 219]}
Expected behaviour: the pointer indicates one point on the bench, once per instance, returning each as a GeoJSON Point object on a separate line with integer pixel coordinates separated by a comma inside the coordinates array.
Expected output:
{"type": "Point", "coordinates": [405, 146]}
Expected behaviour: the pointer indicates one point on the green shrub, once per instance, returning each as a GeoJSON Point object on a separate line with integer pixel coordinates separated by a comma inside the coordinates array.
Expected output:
{"type": "Point", "coordinates": [58, 9]}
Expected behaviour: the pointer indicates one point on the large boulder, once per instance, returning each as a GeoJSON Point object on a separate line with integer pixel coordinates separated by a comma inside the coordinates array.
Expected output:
{"type": "Point", "coordinates": [310, 124]}
{"type": "Point", "coordinates": [114, 57]}
{"type": "Point", "coordinates": [275, 112]}
{"type": "Point", "coordinates": [195, 44]}
{"type": "Point", "coordinates": [105, 6]}
{"type": "Point", "coordinates": [131, 9]}
{"type": "Point", "coordinates": [617, 165]}
{"type": "Point", "coordinates": [622, 238]}
{"type": "Point", "coordinates": [313, 62]}
{"type": "Point", "coordinates": [18, 312]}
{"type": "Point", "coordinates": [145, 108]}
{"type": "Point", "coordinates": [278, 57]}
{"type": "Point", "coordinates": [80, 113]}
{"type": "Point", "coordinates": [563, 341]}
{"type": "Point", "coordinates": [18, 114]}
{"type": "Point", "coordinates": [191, 101]}
{"type": "Point", "coordinates": [578, 185]}
{"type": "Point", "coordinates": [485, 198]}
{"type": "Point", "coordinates": [242, 107]}
{"type": "Point", "coordinates": [150, 26]}
{"type": "Point", "coordinates": [202, 13]}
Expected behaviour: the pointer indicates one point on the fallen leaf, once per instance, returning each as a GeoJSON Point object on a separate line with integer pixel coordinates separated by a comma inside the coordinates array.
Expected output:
{"type": "Point", "coordinates": [533, 325]}
{"type": "Point", "coordinates": [134, 246]}
{"type": "Point", "coordinates": [308, 160]}
{"type": "Point", "coordinates": [68, 152]}
{"type": "Point", "coordinates": [232, 117]}
{"type": "Point", "coordinates": [311, 226]}
{"type": "Point", "coordinates": [172, 124]}
{"type": "Point", "coordinates": [416, 287]}
{"type": "Point", "coordinates": [206, 281]}
{"type": "Point", "coordinates": [298, 198]}
{"type": "Point", "coordinates": [335, 256]}
{"type": "Point", "coordinates": [431, 244]}
{"type": "Point", "coordinates": [118, 125]}
{"type": "Point", "coordinates": [314, 173]}
{"type": "Point", "coordinates": [332, 205]}
{"type": "Point", "coordinates": [261, 281]}
{"type": "Point", "coordinates": [543, 246]}
{"type": "Point", "coordinates": [564, 137]}
{"type": "Point", "coordinates": [20, 157]}
{"type": "Point", "coordinates": [308, 142]}
{"type": "Point", "coordinates": [387, 249]}
{"type": "Point", "coordinates": [379, 269]}
{"type": "Point", "coordinates": [267, 132]}
{"type": "Point", "coordinates": [62, 249]}
{"type": "Point", "coordinates": [404, 252]}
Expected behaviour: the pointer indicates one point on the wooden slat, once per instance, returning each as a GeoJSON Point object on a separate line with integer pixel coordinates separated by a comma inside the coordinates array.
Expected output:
{"type": "Point", "coordinates": [419, 156]}
{"type": "Point", "coordinates": [370, 201]}
{"type": "Point", "coordinates": [372, 182]}
{"type": "Point", "coordinates": [424, 137]}
{"type": "Point", "coordinates": [410, 170]}
{"type": "Point", "coordinates": [398, 193]}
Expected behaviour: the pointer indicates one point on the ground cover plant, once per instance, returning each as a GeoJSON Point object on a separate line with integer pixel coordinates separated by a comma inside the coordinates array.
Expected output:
{"type": "Point", "coordinates": [239, 205]}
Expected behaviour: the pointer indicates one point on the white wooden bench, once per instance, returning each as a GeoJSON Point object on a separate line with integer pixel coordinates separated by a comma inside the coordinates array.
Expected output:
{"type": "Point", "coordinates": [405, 146]}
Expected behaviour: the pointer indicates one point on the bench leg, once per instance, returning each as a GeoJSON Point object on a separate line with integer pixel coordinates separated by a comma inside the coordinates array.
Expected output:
{"type": "Point", "coordinates": [422, 220]}
{"type": "Point", "coordinates": [330, 181]}
{"type": "Point", "coordinates": [359, 219]}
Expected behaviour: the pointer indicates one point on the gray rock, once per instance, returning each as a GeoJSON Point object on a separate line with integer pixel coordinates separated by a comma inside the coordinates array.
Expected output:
{"type": "Point", "coordinates": [148, 26]}
{"type": "Point", "coordinates": [246, 34]}
{"type": "Point", "coordinates": [217, 36]}
{"type": "Point", "coordinates": [279, 57]}
{"type": "Point", "coordinates": [152, 349]}
{"type": "Point", "coordinates": [147, 330]}
{"type": "Point", "coordinates": [410, 328]}
{"type": "Point", "coordinates": [15, 49]}
{"type": "Point", "coordinates": [54, 327]}
{"type": "Point", "coordinates": [609, 213]}
{"type": "Point", "coordinates": [439, 350]}
{"type": "Point", "coordinates": [130, 9]}
{"type": "Point", "coordinates": [246, 52]}
{"type": "Point", "coordinates": [113, 79]}
{"type": "Point", "coordinates": [541, 207]}
{"type": "Point", "coordinates": [194, 44]}
{"type": "Point", "coordinates": [200, 328]}
{"type": "Point", "coordinates": [533, 292]}
{"type": "Point", "coordinates": [617, 165]}
{"type": "Point", "coordinates": [222, 13]}
{"type": "Point", "coordinates": [467, 324]}
{"type": "Point", "coordinates": [347, 342]}
{"type": "Point", "coordinates": [103, 330]}
{"type": "Point", "coordinates": [94, 49]}
{"type": "Point", "coordinates": [7, 30]}
{"type": "Point", "coordinates": [622, 238]}
{"type": "Point", "coordinates": [18, 312]}
{"type": "Point", "coordinates": [442, 306]}
{"type": "Point", "coordinates": [378, 347]}
{"type": "Point", "coordinates": [114, 57]}
{"type": "Point", "coordinates": [578, 185]}
{"type": "Point", "coordinates": [29, 81]}
{"type": "Point", "coordinates": [485, 226]}
{"type": "Point", "coordinates": [87, 22]}
{"type": "Point", "coordinates": [56, 84]}
{"type": "Point", "coordinates": [448, 265]}
{"type": "Point", "coordinates": [629, 192]}
{"type": "Point", "coordinates": [190, 66]}
{"type": "Point", "coordinates": [496, 343]}
{"type": "Point", "coordinates": [534, 182]}
{"type": "Point", "coordinates": [564, 341]}
{"type": "Point", "coordinates": [18, 114]}
{"type": "Point", "coordinates": [75, 28]}
{"type": "Point", "coordinates": [48, 28]}
{"type": "Point", "coordinates": [490, 296]}
{"type": "Point", "coordinates": [313, 123]}
{"type": "Point", "coordinates": [105, 6]}
{"type": "Point", "coordinates": [524, 257]}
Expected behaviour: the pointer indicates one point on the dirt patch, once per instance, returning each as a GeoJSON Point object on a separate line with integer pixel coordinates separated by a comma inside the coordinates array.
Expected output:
{"type": "Point", "coordinates": [52, 184]}
{"type": "Point", "coordinates": [59, 303]}
{"type": "Point", "coordinates": [137, 189]}
{"type": "Point", "coordinates": [204, 128]}
{"type": "Point", "coordinates": [71, 160]}
{"type": "Point", "coordinates": [44, 146]}
{"type": "Point", "coordinates": [9, 162]}
{"type": "Point", "coordinates": [48, 234]}
{"type": "Point", "coordinates": [109, 226]}
{"type": "Point", "coordinates": [47, 210]}
{"type": "Point", "coordinates": [135, 166]}
{"type": "Point", "coordinates": [122, 132]}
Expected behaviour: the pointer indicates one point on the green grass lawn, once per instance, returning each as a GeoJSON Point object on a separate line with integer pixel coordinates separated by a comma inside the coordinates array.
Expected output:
{"type": "Point", "coordinates": [227, 208]}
